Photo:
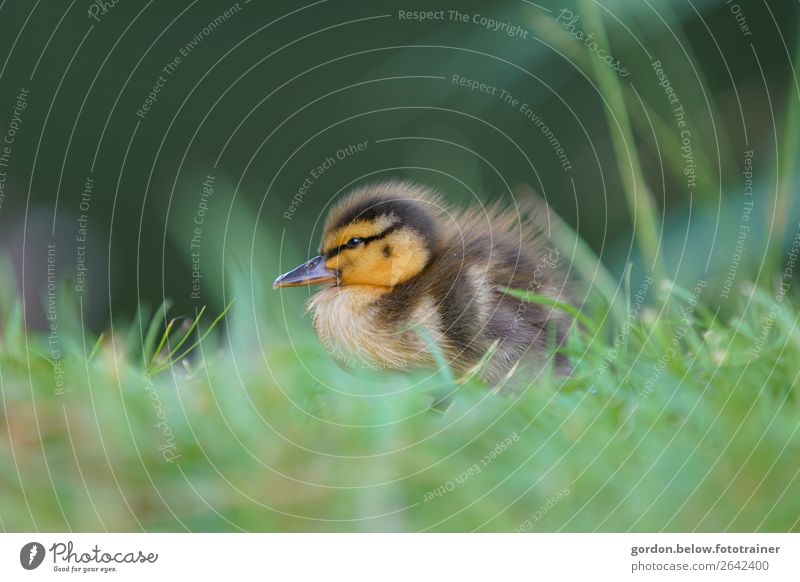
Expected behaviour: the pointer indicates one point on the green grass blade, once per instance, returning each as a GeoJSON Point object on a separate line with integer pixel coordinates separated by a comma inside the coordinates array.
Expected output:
{"type": "Point", "coordinates": [788, 158]}
{"type": "Point", "coordinates": [642, 208]}
{"type": "Point", "coordinates": [186, 335]}
{"type": "Point", "coordinates": [437, 353]}
{"type": "Point", "coordinates": [169, 361]}
{"type": "Point", "coordinates": [148, 346]}
{"type": "Point", "coordinates": [96, 347]}
{"type": "Point", "coordinates": [164, 338]}
{"type": "Point", "coordinates": [550, 302]}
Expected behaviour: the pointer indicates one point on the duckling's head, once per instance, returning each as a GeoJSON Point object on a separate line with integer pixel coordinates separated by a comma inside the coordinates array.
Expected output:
{"type": "Point", "coordinates": [379, 235]}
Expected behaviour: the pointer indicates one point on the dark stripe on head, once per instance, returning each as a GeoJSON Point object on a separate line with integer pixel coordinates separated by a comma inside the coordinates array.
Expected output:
{"type": "Point", "coordinates": [365, 241]}
{"type": "Point", "coordinates": [409, 214]}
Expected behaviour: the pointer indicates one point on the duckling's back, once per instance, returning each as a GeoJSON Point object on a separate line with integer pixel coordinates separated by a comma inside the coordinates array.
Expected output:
{"type": "Point", "coordinates": [459, 296]}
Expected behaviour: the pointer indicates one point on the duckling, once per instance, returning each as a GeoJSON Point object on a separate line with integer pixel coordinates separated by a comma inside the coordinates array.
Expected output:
{"type": "Point", "coordinates": [399, 268]}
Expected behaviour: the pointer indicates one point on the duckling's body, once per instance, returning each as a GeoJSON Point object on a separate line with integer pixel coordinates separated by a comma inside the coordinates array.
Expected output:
{"type": "Point", "coordinates": [400, 262]}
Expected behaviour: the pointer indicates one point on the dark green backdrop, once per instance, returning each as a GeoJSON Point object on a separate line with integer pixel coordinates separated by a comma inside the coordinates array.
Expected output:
{"type": "Point", "coordinates": [264, 94]}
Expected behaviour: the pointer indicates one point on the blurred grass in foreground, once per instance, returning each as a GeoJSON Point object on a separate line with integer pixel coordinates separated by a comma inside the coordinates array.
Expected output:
{"type": "Point", "coordinates": [671, 420]}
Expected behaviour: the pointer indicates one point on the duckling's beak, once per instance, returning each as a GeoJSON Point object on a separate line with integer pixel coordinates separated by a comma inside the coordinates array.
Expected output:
{"type": "Point", "coordinates": [314, 272]}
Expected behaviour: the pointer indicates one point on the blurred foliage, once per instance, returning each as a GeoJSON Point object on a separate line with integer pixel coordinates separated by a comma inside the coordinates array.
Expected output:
{"type": "Point", "coordinates": [280, 87]}
{"type": "Point", "coordinates": [667, 423]}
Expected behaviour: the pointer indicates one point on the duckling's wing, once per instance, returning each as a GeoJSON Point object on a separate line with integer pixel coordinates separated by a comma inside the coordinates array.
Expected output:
{"type": "Point", "coordinates": [496, 247]}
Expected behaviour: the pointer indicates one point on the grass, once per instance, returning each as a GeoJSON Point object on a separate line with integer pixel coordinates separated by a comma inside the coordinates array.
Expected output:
{"type": "Point", "coordinates": [166, 355]}
{"type": "Point", "coordinates": [644, 214]}
{"type": "Point", "coordinates": [671, 421]}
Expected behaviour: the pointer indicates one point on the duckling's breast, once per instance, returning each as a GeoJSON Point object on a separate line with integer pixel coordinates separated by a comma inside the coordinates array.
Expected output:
{"type": "Point", "coordinates": [349, 323]}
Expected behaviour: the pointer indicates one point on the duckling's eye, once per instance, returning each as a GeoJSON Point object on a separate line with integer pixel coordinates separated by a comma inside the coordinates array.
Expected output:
{"type": "Point", "coordinates": [353, 242]}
